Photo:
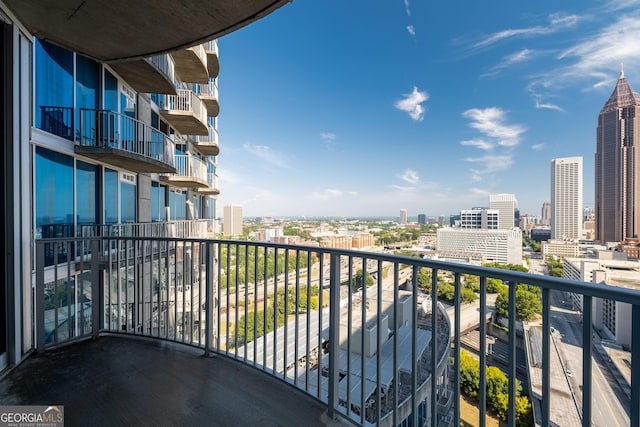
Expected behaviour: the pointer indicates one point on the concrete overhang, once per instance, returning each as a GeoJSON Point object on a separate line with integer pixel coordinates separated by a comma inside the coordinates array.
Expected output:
{"type": "Point", "coordinates": [120, 30]}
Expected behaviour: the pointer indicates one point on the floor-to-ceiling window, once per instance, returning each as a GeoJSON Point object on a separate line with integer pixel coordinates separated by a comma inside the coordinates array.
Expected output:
{"type": "Point", "coordinates": [158, 202]}
{"type": "Point", "coordinates": [127, 198]}
{"type": "Point", "coordinates": [87, 191]}
{"type": "Point", "coordinates": [5, 136]}
{"type": "Point", "coordinates": [178, 204]}
{"type": "Point", "coordinates": [54, 89]}
{"type": "Point", "coordinates": [87, 95]}
{"type": "Point", "coordinates": [54, 199]}
{"type": "Point", "coordinates": [110, 202]}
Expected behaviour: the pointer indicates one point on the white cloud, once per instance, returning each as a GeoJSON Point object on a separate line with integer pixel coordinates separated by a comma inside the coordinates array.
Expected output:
{"type": "Point", "coordinates": [265, 153]}
{"type": "Point", "coordinates": [327, 136]}
{"type": "Point", "coordinates": [407, 8]}
{"type": "Point", "coordinates": [548, 105]}
{"type": "Point", "coordinates": [412, 104]}
{"type": "Point", "coordinates": [537, 147]}
{"type": "Point", "coordinates": [410, 176]}
{"type": "Point", "coordinates": [490, 164]}
{"type": "Point", "coordinates": [478, 143]}
{"type": "Point", "coordinates": [411, 30]}
{"type": "Point", "coordinates": [331, 193]}
{"type": "Point", "coordinates": [490, 121]}
{"type": "Point", "coordinates": [557, 22]}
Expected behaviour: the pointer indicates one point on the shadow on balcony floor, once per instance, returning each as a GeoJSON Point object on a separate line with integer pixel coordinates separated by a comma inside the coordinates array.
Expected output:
{"type": "Point", "coordinates": [117, 380]}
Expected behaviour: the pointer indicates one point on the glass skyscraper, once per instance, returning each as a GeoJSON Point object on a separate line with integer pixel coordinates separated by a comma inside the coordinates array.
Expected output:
{"type": "Point", "coordinates": [617, 165]}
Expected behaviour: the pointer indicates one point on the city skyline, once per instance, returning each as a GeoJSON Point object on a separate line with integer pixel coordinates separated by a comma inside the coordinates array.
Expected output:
{"type": "Point", "coordinates": [325, 115]}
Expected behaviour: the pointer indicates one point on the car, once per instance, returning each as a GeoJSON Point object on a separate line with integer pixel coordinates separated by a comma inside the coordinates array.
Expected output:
{"type": "Point", "coordinates": [568, 373]}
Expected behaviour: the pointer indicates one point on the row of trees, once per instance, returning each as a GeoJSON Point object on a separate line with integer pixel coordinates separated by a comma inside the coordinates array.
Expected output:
{"type": "Point", "coordinates": [497, 390]}
{"type": "Point", "coordinates": [243, 260]}
{"type": "Point", "coordinates": [277, 312]}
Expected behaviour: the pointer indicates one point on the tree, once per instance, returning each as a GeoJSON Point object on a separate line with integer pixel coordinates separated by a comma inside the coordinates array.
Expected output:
{"type": "Point", "coordinates": [358, 279]}
{"type": "Point", "coordinates": [528, 303]}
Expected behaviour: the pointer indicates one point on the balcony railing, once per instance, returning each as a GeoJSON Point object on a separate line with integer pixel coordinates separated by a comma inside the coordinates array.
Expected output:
{"type": "Point", "coordinates": [213, 61]}
{"type": "Point", "coordinates": [149, 75]}
{"type": "Point", "coordinates": [185, 112]}
{"type": "Point", "coordinates": [119, 139]}
{"type": "Point", "coordinates": [190, 172]}
{"type": "Point", "coordinates": [372, 346]}
{"type": "Point", "coordinates": [212, 188]}
{"type": "Point", "coordinates": [208, 145]}
{"type": "Point", "coordinates": [208, 93]}
{"type": "Point", "coordinates": [186, 228]}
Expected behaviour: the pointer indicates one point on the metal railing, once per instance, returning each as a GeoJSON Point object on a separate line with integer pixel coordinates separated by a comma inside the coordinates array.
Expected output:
{"type": "Point", "coordinates": [211, 46]}
{"type": "Point", "coordinates": [57, 120]}
{"type": "Point", "coordinates": [166, 65]}
{"type": "Point", "coordinates": [187, 228]}
{"type": "Point", "coordinates": [209, 90]}
{"type": "Point", "coordinates": [185, 101]}
{"type": "Point", "coordinates": [355, 330]}
{"type": "Point", "coordinates": [212, 138]}
{"type": "Point", "coordinates": [108, 129]}
{"type": "Point", "coordinates": [189, 166]}
{"type": "Point", "coordinates": [199, 52]}
{"type": "Point", "coordinates": [212, 179]}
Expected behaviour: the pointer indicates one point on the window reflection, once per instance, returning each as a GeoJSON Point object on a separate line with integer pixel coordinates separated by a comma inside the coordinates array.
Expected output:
{"type": "Point", "coordinates": [110, 196]}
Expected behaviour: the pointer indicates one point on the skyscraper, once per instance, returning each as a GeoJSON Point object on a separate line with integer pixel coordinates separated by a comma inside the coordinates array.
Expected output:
{"type": "Point", "coordinates": [403, 216]}
{"type": "Point", "coordinates": [546, 213]}
{"type": "Point", "coordinates": [617, 165]}
{"type": "Point", "coordinates": [232, 225]}
{"type": "Point", "coordinates": [506, 205]}
{"type": "Point", "coordinates": [566, 198]}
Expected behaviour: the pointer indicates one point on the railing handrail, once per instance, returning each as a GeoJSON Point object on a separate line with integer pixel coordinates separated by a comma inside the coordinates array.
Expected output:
{"type": "Point", "coordinates": [189, 165]}
{"type": "Point", "coordinates": [166, 64]}
{"type": "Point", "coordinates": [106, 128]}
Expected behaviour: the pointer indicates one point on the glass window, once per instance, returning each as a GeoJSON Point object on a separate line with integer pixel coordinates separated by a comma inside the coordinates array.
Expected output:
{"type": "Point", "coordinates": [158, 202]}
{"type": "Point", "coordinates": [54, 89]}
{"type": "Point", "coordinates": [86, 193]}
{"type": "Point", "coordinates": [178, 205]}
{"type": "Point", "coordinates": [127, 202]}
{"type": "Point", "coordinates": [110, 196]}
{"type": "Point", "coordinates": [87, 85]}
{"type": "Point", "coordinates": [110, 92]}
{"type": "Point", "coordinates": [54, 201]}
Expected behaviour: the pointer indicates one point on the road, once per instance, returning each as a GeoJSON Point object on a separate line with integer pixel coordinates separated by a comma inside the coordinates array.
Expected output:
{"type": "Point", "coordinates": [610, 407]}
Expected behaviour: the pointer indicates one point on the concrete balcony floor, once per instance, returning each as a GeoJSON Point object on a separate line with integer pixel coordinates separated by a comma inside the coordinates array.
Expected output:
{"type": "Point", "coordinates": [119, 380]}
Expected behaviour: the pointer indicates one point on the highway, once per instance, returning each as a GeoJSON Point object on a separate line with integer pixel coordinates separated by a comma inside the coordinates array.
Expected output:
{"type": "Point", "coordinates": [610, 407]}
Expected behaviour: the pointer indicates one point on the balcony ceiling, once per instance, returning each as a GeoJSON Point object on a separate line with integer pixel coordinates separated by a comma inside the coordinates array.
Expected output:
{"type": "Point", "coordinates": [123, 29]}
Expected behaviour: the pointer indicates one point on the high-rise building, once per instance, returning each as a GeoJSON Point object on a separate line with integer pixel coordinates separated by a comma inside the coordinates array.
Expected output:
{"type": "Point", "coordinates": [403, 216]}
{"type": "Point", "coordinates": [479, 218]}
{"type": "Point", "coordinates": [506, 205]}
{"type": "Point", "coordinates": [617, 165]}
{"type": "Point", "coordinates": [566, 198]}
{"type": "Point", "coordinates": [232, 221]}
{"type": "Point", "coordinates": [503, 246]}
{"type": "Point", "coordinates": [546, 213]}
{"type": "Point", "coordinates": [422, 219]}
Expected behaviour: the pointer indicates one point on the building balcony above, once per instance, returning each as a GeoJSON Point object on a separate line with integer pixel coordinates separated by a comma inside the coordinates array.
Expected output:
{"type": "Point", "coordinates": [212, 189]}
{"type": "Point", "coordinates": [149, 75]}
{"type": "Point", "coordinates": [122, 141]}
{"type": "Point", "coordinates": [208, 145]}
{"type": "Point", "coordinates": [185, 112]}
{"type": "Point", "coordinates": [213, 60]}
{"type": "Point", "coordinates": [191, 64]}
{"type": "Point", "coordinates": [191, 172]}
{"type": "Point", "coordinates": [208, 93]}
{"type": "Point", "coordinates": [76, 26]}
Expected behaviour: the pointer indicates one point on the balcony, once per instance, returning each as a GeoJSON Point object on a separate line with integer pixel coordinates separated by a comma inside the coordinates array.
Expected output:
{"type": "Point", "coordinates": [369, 354]}
{"type": "Point", "coordinates": [191, 172]}
{"type": "Point", "coordinates": [185, 112]}
{"type": "Point", "coordinates": [213, 61]}
{"type": "Point", "coordinates": [167, 25]}
{"type": "Point", "coordinates": [122, 141]}
{"type": "Point", "coordinates": [212, 189]}
{"type": "Point", "coordinates": [208, 145]}
{"type": "Point", "coordinates": [208, 93]}
{"type": "Point", "coordinates": [191, 64]}
{"type": "Point", "coordinates": [149, 75]}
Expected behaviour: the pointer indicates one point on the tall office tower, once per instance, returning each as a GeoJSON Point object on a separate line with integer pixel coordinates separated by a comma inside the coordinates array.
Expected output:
{"type": "Point", "coordinates": [617, 165]}
{"type": "Point", "coordinates": [403, 216]}
{"type": "Point", "coordinates": [232, 221]}
{"type": "Point", "coordinates": [479, 218]}
{"type": "Point", "coordinates": [546, 213]}
{"type": "Point", "coordinates": [422, 219]}
{"type": "Point", "coordinates": [566, 198]}
{"type": "Point", "coordinates": [506, 205]}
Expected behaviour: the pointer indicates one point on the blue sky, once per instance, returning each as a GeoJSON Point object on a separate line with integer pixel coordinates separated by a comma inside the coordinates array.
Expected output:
{"type": "Point", "coordinates": [342, 108]}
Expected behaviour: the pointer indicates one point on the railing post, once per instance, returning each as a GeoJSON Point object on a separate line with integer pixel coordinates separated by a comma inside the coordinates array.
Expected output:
{"type": "Point", "coordinates": [587, 346]}
{"type": "Point", "coordinates": [209, 299]}
{"type": "Point", "coordinates": [96, 295]}
{"type": "Point", "coordinates": [39, 296]}
{"type": "Point", "coordinates": [334, 332]}
{"type": "Point", "coordinates": [635, 367]}
{"type": "Point", "coordinates": [546, 359]}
